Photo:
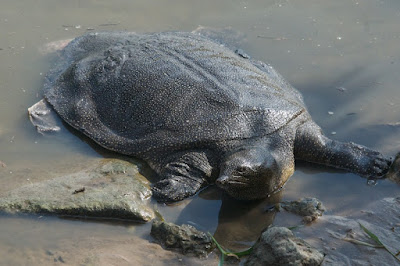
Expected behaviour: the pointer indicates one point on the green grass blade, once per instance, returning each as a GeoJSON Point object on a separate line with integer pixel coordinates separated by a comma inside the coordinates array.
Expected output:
{"type": "Point", "coordinates": [362, 243]}
{"type": "Point", "coordinates": [223, 252]}
{"type": "Point", "coordinates": [243, 253]}
{"type": "Point", "coordinates": [376, 239]}
{"type": "Point", "coordinates": [221, 260]}
{"type": "Point", "coordinates": [228, 253]}
{"type": "Point", "coordinates": [217, 244]}
{"type": "Point", "coordinates": [158, 215]}
{"type": "Point", "coordinates": [371, 235]}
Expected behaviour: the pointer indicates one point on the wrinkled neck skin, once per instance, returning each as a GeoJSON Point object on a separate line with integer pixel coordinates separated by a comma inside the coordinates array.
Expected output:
{"type": "Point", "coordinates": [259, 168]}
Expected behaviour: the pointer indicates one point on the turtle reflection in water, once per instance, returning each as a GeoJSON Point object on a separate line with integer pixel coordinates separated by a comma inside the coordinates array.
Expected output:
{"type": "Point", "coordinates": [194, 110]}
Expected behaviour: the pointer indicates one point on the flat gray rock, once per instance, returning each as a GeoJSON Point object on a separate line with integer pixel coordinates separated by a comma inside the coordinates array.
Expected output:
{"type": "Point", "coordinates": [332, 234]}
{"type": "Point", "coordinates": [111, 188]}
{"type": "Point", "coordinates": [278, 246]}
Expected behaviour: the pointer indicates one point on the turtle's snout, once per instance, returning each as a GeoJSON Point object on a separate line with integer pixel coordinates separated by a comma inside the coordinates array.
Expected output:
{"type": "Point", "coordinates": [230, 184]}
{"type": "Point", "coordinates": [222, 181]}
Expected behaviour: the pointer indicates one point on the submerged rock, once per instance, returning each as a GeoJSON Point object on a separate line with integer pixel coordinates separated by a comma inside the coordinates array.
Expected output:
{"type": "Point", "coordinates": [112, 188]}
{"type": "Point", "coordinates": [278, 246]}
{"type": "Point", "coordinates": [185, 238]}
{"type": "Point", "coordinates": [309, 208]}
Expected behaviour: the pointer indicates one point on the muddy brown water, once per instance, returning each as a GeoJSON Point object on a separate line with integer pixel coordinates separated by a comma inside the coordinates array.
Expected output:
{"type": "Point", "coordinates": [342, 55]}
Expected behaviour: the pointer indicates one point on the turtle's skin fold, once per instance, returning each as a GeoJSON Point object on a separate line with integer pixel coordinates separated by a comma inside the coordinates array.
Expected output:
{"type": "Point", "coordinates": [196, 111]}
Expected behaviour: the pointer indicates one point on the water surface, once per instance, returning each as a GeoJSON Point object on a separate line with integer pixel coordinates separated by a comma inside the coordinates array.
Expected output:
{"type": "Point", "coordinates": [342, 55]}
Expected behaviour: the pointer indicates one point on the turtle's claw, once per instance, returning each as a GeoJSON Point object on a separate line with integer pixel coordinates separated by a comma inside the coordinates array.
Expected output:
{"type": "Point", "coordinates": [174, 189]}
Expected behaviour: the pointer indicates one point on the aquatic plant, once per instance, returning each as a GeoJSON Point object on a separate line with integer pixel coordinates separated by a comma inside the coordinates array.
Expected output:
{"type": "Point", "coordinates": [227, 253]}
{"type": "Point", "coordinates": [372, 236]}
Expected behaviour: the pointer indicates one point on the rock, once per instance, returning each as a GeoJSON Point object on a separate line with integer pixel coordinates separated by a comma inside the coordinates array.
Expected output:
{"type": "Point", "coordinates": [111, 188]}
{"type": "Point", "coordinates": [278, 246]}
{"type": "Point", "coordinates": [185, 238]}
{"type": "Point", "coordinates": [333, 234]}
{"type": "Point", "coordinates": [309, 208]}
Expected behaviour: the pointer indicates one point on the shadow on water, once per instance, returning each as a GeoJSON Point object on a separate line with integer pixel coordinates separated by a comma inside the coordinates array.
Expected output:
{"type": "Point", "coordinates": [236, 224]}
{"type": "Point", "coordinates": [241, 222]}
{"type": "Point", "coordinates": [343, 89]}
{"type": "Point", "coordinates": [341, 93]}
{"type": "Point", "coordinates": [81, 219]}
{"type": "Point", "coordinates": [375, 133]}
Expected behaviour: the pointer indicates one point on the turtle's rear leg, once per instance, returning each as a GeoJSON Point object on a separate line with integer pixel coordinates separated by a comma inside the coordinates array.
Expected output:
{"type": "Point", "coordinates": [183, 176]}
{"type": "Point", "coordinates": [312, 146]}
{"type": "Point", "coordinates": [43, 117]}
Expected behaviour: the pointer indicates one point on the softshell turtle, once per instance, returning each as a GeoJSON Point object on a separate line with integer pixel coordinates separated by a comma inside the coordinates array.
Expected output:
{"type": "Point", "coordinates": [195, 111]}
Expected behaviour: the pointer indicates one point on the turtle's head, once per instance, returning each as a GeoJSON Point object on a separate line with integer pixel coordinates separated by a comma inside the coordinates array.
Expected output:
{"type": "Point", "coordinates": [255, 172]}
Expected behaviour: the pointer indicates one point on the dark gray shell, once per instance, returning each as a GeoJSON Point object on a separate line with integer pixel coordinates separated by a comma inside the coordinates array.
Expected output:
{"type": "Point", "coordinates": [133, 93]}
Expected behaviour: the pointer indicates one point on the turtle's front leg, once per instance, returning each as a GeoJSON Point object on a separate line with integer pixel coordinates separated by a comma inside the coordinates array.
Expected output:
{"type": "Point", "coordinates": [183, 177]}
{"type": "Point", "coordinates": [312, 146]}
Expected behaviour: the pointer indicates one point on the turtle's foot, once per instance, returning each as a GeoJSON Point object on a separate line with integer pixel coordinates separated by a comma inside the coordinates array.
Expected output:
{"type": "Point", "coordinates": [312, 146]}
{"type": "Point", "coordinates": [175, 188]}
{"type": "Point", "coordinates": [370, 163]}
{"type": "Point", "coordinates": [43, 117]}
